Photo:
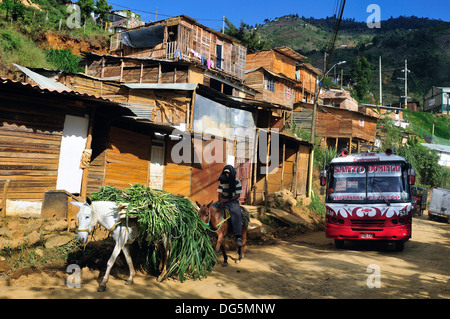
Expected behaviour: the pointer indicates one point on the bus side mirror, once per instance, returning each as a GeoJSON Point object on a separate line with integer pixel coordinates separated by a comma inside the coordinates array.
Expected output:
{"type": "Point", "coordinates": [323, 178]}
{"type": "Point", "coordinates": [411, 176]}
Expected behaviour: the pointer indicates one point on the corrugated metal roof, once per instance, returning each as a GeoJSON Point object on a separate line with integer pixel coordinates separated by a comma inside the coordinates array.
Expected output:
{"type": "Point", "coordinates": [438, 147]}
{"type": "Point", "coordinates": [42, 81]}
{"type": "Point", "coordinates": [162, 86]}
{"type": "Point", "coordinates": [6, 81]}
{"type": "Point", "coordinates": [142, 111]}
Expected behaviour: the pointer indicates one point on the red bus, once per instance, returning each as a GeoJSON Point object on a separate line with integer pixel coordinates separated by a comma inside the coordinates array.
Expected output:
{"type": "Point", "coordinates": [368, 197]}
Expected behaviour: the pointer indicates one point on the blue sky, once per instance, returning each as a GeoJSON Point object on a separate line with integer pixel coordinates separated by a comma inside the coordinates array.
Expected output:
{"type": "Point", "coordinates": [252, 12]}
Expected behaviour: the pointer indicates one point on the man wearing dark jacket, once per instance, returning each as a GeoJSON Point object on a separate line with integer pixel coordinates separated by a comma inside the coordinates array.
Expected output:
{"type": "Point", "coordinates": [230, 190]}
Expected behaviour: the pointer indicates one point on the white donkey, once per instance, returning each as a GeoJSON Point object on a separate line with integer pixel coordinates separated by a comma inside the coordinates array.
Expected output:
{"type": "Point", "coordinates": [107, 215]}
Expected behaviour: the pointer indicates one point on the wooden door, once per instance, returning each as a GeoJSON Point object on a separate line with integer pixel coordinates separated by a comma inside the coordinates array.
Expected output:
{"type": "Point", "coordinates": [72, 145]}
{"type": "Point", "coordinates": [156, 179]}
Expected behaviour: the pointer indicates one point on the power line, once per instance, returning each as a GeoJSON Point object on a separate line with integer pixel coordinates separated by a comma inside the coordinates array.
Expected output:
{"type": "Point", "coordinates": [154, 13]}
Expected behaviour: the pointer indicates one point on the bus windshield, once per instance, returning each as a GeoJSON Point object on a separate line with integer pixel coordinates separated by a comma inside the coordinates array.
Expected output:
{"type": "Point", "coordinates": [379, 182]}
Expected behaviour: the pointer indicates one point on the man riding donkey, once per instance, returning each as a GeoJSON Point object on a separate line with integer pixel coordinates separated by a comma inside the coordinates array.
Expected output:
{"type": "Point", "coordinates": [230, 190]}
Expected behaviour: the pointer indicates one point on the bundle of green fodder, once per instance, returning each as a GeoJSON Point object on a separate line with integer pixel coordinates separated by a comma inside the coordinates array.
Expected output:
{"type": "Point", "coordinates": [161, 213]}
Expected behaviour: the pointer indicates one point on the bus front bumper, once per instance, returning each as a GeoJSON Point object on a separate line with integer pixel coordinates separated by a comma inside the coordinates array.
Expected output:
{"type": "Point", "coordinates": [402, 232]}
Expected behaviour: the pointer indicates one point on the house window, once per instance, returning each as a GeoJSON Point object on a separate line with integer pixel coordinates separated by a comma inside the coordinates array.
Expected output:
{"type": "Point", "coordinates": [269, 83]}
{"type": "Point", "coordinates": [287, 92]}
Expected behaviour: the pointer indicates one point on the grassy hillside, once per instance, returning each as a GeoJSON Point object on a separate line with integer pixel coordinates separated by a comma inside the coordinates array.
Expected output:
{"type": "Point", "coordinates": [422, 124]}
{"type": "Point", "coordinates": [24, 39]}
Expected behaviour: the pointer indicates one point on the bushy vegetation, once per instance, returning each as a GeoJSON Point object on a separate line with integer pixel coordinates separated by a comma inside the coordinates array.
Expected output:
{"type": "Point", "coordinates": [247, 36]}
{"type": "Point", "coordinates": [425, 161]}
{"type": "Point", "coordinates": [63, 60]}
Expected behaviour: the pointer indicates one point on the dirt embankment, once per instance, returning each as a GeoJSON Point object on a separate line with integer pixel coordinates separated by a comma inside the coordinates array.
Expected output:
{"type": "Point", "coordinates": [97, 44]}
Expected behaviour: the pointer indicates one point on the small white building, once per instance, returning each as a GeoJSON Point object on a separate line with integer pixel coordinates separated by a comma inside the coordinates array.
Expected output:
{"type": "Point", "coordinates": [443, 151]}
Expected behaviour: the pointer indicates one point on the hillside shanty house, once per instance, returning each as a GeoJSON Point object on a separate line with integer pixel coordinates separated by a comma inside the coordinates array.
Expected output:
{"type": "Point", "coordinates": [45, 136]}
{"type": "Point", "coordinates": [437, 100]}
{"type": "Point", "coordinates": [308, 75]}
{"type": "Point", "coordinates": [338, 127]}
{"type": "Point", "coordinates": [273, 74]}
{"type": "Point", "coordinates": [183, 38]}
{"type": "Point", "coordinates": [340, 98]}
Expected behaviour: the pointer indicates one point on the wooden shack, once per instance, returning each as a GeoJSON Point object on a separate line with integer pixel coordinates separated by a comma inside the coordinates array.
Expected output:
{"type": "Point", "coordinates": [273, 74]}
{"type": "Point", "coordinates": [183, 38]}
{"type": "Point", "coordinates": [342, 128]}
{"type": "Point", "coordinates": [308, 75]}
{"type": "Point", "coordinates": [287, 167]}
{"type": "Point", "coordinates": [43, 137]}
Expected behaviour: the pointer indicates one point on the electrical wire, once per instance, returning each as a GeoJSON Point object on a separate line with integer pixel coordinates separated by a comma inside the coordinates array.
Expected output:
{"type": "Point", "coordinates": [157, 13]}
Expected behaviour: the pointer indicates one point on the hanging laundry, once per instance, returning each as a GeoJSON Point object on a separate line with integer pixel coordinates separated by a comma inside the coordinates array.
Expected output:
{"type": "Point", "coordinates": [204, 61]}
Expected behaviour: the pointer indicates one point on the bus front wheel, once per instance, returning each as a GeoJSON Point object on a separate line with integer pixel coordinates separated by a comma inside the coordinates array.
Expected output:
{"type": "Point", "coordinates": [339, 243]}
{"type": "Point", "coordinates": [399, 245]}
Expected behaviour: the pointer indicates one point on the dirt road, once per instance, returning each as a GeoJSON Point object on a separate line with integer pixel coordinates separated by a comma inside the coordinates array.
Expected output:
{"type": "Point", "coordinates": [301, 266]}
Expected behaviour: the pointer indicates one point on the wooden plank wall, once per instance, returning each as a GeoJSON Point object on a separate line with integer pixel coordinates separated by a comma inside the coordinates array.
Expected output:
{"type": "Point", "coordinates": [343, 123]}
{"type": "Point", "coordinates": [292, 173]}
{"type": "Point", "coordinates": [127, 158]}
{"type": "Point", "coordinates": [100, 142]}
{"type": "Point", "coordinates": [302, 169]}
{"type": "Point", "coordinates": [255, 80]}
{"type": "Point", "coordinates": [283, 64]}
{"type": "Point", "coordinates": [195, 37]}
{"type": "Point", "coordinates": [264, 59]}
{"type": "Point", "coordinates": [177, 179]}
{"type": "Point", "coordinates": [168, 106]}
{"type": "Point", "coordinates": [204, 175]}
{"type": "Point", "coordinates": [136, 71]}
{"type": "Point", "coordinates": [30, 138]}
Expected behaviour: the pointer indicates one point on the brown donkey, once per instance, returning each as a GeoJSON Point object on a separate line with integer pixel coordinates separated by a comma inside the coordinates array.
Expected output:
{"type": "Point", "coordinates": [220, 224]}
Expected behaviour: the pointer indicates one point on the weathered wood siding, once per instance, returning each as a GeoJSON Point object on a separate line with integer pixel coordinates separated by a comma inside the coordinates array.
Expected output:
{"type": "Point", "coordinates": [204, 175]}
{"type": "Point", "coordinates": [177, 179]}
{"type": "Point", "coordinates": [31, 129]}
{"type": "Point", "coordinates": [343, 123]}
{"type": "Point", "coordinates": [127, 158]}
{"type": "Point", "coordinates": [291, 172]}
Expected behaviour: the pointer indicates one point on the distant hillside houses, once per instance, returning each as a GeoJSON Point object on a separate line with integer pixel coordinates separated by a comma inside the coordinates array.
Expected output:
{"type": "Point", "coordinates": [437, 100]}
{"type": "Point", "coordinates": [443, 151]}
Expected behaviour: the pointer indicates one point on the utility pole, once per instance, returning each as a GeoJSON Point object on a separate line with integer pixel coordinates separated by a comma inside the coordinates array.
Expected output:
{"type": "Point", "coordinates": [156, 14]}
{"type": "Point", "coordinates": [381, 83]}
{"type": "Point", "coordinates": [223, 24]}
{"type": "Point", "coordinates": [406, 83]}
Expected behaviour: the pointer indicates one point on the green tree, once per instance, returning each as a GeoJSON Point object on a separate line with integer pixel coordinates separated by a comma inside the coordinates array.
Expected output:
{"type": "Point", "coordinates": [102, 9]}
{"type": "Point", "coordinates": [391, 134]}
{"type": "Point", "coordinates": [13, 8]}
{"type": "Point", "coordinates": [426, 163]}
{"type": "Point", "coordinates": [247, 36]}
{"type": "Point", "coordinates": [361, 76]}
{"type": "Point", "coordinates": [86, 7]}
